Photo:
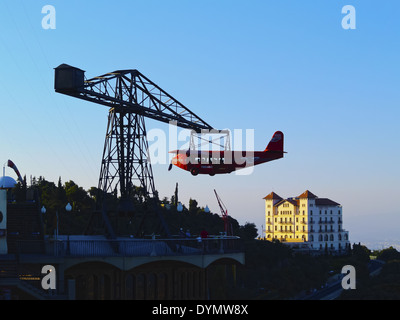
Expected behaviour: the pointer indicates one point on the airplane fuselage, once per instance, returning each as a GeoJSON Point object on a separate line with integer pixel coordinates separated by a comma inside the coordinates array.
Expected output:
{"type": "Point", "coordinates": [219, 162]}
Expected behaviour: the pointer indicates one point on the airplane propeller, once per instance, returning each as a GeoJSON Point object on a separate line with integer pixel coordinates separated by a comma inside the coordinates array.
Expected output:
{"type": "Point", "coordinates": [170, 166]}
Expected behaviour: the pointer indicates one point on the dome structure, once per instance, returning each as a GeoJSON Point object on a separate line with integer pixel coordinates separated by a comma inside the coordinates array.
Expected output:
{"type": "Point", "coordinates": [7, 182]}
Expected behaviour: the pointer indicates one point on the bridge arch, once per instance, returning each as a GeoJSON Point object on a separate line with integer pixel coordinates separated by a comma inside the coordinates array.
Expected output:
{"type": "Point", "coordinates": [96, 280]}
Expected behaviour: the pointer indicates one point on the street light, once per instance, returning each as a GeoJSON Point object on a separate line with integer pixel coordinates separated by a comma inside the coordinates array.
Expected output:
{"type": "Point", "coordinates": [179, 207]}
{"type": "Point", "coordinates": [68, 208]}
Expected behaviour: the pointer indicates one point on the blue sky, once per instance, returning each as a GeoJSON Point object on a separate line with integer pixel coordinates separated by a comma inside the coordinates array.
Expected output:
{"type": "Point", "coordinates": [262, 65]}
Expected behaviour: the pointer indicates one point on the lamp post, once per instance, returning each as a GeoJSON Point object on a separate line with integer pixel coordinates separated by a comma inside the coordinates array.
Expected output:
{"type": "Point", "coordinates": [68, 208]}
{"type": "Point", "coordinates": [43, 211]}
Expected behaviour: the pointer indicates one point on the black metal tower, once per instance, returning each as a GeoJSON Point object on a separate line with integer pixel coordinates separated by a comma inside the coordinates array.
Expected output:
{"type": "Point", "coordinates": [125, 163]}
{"type": "Point", "coordinates": [131, 97]}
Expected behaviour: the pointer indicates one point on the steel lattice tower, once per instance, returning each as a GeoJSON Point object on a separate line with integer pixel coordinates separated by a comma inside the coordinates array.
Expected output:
{"type": "Point", "coordinates": [131, 98]}
{"type": "Point", "coordinates": [125, 161]}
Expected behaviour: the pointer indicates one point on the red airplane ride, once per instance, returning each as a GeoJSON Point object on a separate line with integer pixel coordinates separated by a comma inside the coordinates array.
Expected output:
{"type": "Point", "coordinates": [218, 162]}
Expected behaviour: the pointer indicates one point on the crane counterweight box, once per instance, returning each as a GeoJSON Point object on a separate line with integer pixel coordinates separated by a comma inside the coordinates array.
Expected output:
{"type": "Point", "coordinates": [68, 78]}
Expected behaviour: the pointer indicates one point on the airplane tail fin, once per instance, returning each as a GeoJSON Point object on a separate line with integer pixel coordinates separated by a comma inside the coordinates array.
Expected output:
{"type": "Point", "coordinates": [276, 143]}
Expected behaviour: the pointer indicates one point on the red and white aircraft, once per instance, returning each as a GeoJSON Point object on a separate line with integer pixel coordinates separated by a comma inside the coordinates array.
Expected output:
{"type": "Point", "coordinates": [218, 162]}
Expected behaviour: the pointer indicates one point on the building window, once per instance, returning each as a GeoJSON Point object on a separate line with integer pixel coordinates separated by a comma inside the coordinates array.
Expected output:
{"type": "Point", "coordinates": [310, 212]}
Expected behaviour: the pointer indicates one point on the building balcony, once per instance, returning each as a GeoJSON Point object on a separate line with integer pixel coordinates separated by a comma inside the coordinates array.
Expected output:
{"type": "Point", "coordinates": [284, 231]}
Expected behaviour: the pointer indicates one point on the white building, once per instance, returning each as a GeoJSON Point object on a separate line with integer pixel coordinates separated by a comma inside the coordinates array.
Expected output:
{"type": "Point", "coordinates": [306, 221]}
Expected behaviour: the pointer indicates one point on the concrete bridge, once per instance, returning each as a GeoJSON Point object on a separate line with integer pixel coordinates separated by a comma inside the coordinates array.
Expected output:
{"type": "Point", "coordinates": [96, 268]}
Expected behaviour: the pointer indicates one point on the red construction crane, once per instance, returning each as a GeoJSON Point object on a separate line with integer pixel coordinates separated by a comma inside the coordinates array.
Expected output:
{"type": "Point", "coordinates": [224, 213]}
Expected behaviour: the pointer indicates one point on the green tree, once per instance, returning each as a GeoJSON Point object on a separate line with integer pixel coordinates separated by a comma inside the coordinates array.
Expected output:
{"type": "Point", "coordinates": [193, 206]}
{"type": "Point", "coordinates": [248, 231]}
{"type": "Point", "coordinates": [389, 254]}
{"type": "Point", "coordinates": [361, 252]}
{"type": "Point", "coordinates": [77, 196]}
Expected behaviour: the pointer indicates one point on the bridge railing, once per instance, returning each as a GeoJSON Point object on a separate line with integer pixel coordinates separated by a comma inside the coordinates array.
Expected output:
{"type": "Point", "coordinates": [132, 247]}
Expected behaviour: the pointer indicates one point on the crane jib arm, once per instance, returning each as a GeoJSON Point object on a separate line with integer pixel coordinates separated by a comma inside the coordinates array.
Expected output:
{"type": "Point", "coordinates": [127, 91]}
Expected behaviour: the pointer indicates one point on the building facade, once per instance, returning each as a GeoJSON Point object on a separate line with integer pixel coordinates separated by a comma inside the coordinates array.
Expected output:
{"type": "Point", "coordinates": [306, 221]}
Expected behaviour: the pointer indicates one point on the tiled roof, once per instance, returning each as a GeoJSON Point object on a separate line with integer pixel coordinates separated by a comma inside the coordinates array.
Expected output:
{"type": "Point", "coordinates": [272, 196]}
{"type": "Point", "coordinates": [307, 194]}
{"type": "Point", "coordinates": [296, 201]}
{"type": "Point", "coordinates": [325, 202]}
